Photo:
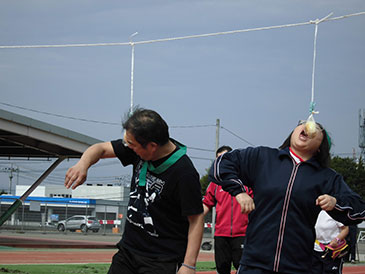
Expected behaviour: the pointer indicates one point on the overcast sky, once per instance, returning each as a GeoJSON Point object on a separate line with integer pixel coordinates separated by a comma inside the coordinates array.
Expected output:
{"type": "Point", "coordinates": [258, 83]}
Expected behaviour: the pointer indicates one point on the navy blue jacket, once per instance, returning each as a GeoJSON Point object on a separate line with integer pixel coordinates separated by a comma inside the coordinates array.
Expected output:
{"type": "Point", "coordinates": [280, 233]}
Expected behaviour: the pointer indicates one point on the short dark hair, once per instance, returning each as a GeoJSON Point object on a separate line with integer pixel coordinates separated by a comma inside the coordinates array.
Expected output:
{"type": "Point", "coordinates": [223, 148]}
{"type": "Point", "coordinates": [323, 155]}
{"type": "Point", "coordinates": [147, 126]}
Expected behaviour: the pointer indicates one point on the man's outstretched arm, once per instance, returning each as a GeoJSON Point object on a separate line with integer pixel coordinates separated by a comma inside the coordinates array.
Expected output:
{"type": "Point", "coordinates": [77, 174]}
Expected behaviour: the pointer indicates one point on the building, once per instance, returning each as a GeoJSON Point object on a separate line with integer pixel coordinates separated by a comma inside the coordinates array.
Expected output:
{"type": "Point", "coordinates": [50, 204]}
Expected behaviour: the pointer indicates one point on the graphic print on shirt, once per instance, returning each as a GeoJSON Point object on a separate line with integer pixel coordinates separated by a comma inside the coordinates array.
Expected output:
{"type": "Point", "coordinates": [140, 199]}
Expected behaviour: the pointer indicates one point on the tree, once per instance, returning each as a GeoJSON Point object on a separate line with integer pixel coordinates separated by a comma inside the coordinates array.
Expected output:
{"type": "Point", "coordinates": [352, 171]}
{"type": "Point", "coordinates": [204, 182]}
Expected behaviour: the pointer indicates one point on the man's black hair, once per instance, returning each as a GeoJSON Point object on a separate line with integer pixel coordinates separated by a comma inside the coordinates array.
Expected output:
{"type": "Point", "coordinates": [147, 126]}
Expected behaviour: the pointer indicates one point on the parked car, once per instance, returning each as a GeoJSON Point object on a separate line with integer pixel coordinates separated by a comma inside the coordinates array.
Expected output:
{"type": "Point", "coordinates": [48, 225]}
{"type": "Point", "coordinates": [82, 222]}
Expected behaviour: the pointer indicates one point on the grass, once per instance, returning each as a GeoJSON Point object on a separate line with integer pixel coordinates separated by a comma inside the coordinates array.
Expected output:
{"type": "Point", "coordinates": [64, 268]}
{"type": "Point", "coordinates": [75, 268]}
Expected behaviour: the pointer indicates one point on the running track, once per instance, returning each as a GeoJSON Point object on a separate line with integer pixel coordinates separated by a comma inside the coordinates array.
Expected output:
{"type": "Point", "coordinates": [94, 253]}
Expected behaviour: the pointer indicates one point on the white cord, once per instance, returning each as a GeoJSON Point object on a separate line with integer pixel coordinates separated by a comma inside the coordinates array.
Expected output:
{"type": "Point", "coordinates": [316, 22]}
{"type": "Point", "coordinates": [179, 38]}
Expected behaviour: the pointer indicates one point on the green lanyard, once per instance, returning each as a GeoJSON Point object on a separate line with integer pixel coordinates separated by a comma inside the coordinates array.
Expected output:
{"type": "Point", "coordinates": [162, 167]}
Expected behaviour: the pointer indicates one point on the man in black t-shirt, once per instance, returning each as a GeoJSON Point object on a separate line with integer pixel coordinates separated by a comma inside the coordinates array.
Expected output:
{"type": "Point", "coordinates": [164, 224]}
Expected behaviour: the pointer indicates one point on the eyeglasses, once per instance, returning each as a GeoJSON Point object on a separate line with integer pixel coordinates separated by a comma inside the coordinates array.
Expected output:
{"type": "Point", "coordinates": [318, 126]}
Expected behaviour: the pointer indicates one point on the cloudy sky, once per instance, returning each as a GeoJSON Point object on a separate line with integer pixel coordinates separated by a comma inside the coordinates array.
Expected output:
{"type": "Point", "coordinates": [257, 83]}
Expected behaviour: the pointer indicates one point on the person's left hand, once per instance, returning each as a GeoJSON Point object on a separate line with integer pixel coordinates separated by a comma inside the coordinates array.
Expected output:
{"type": "Point", "coordinates": [246, 202]}
{"type": "Point", "coordinates": [334, 243]}
{"type": "Point", "coordinates": [326, 202]}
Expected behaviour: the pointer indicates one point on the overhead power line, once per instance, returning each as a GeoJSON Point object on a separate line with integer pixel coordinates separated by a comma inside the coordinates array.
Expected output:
{"type": "Point", "coordinates": [192, 126]}
{"type": "Point", "coordinates": [202, 149]}
{"type": "Point", "coordinates": [61, 116]}
{"type": "Point", "coordinates": [119, 124]}
{"type": "Point", "coordinates": [88, 120]}
{"type": "Point", "coordinates": [234, 134]}
{"type": "Point", "coordinates": [201, 158]}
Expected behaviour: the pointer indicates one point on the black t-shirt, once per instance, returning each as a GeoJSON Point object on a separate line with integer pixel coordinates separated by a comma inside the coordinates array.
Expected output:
{"type": "Point", "coordinates": [157, 224]}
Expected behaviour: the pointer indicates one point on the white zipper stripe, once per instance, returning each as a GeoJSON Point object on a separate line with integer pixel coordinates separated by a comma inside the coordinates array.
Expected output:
{"type": "Point", "coordinates": [283, 216]}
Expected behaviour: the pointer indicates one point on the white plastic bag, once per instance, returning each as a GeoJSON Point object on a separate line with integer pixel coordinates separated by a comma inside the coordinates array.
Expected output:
{"type": "Point", "coordinates": [311, 127]}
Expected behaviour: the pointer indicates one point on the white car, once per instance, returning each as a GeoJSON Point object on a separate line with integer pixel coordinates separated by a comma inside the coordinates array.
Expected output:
{"type": "Point", "coordinates": [82, 222]}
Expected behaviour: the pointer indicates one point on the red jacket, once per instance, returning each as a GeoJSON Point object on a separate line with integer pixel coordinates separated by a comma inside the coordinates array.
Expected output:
{"type": "Point", "coordinates": [230, 222]}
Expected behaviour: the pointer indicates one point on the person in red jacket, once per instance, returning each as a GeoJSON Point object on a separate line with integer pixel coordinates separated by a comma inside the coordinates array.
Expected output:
{"type": "Point", "coordinates": [230, 225]}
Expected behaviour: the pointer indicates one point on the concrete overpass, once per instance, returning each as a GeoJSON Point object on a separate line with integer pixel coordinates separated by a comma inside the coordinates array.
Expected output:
{"type": "Point", "coordinates": [23, 137]}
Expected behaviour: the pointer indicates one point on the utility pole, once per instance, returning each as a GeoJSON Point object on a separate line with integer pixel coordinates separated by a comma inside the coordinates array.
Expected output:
{"type": "Point", "coordinates": [11, 179]}
{"type": "Point", "coordinates": [362, 132]}
{"type": "Point", "coordinates": [10, 170]}
{"type": "Point", "coordinates": [218, 125]}
{"type": "Point", "coordinates": [216, 148]}
{"type": "Point", "coordinates": [132, 71]}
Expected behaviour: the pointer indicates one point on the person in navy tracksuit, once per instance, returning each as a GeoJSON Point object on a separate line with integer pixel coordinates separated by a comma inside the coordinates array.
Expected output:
{"type": "Point", "coordinates": [291, 185]}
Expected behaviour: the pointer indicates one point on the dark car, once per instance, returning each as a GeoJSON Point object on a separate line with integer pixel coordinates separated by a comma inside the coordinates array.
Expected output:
{"type": "Point", "coordinates": [79, 222]}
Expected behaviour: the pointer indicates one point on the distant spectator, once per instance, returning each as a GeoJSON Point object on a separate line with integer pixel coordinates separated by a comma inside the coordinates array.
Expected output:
{"type": "Point", "coordinates": [352, 242]}
{"type": "Point", "coordinates": [230, 224]}
{"type": "Point", "coordinates": [328, 232]}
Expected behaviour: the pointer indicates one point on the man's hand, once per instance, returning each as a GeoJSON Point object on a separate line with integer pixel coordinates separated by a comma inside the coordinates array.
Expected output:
{"type": "Point", "coordinates": [75, 176]}
{"type": "Point", "coordinates": [326, 202]}
{"type": "Point", "coordinates": [246, 202]}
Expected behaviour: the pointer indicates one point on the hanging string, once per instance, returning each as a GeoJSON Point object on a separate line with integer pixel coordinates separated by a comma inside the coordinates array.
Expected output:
{"type": "Point", "coordinates": [310, 125]}
{"type": "Point", "coordinates": [312, 104]}
{"type": "Point", "coordinates": [316, 22]}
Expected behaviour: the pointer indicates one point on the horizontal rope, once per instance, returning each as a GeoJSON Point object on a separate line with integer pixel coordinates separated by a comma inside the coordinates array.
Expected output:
{"type": "Point", "coordinates": [181, 37]}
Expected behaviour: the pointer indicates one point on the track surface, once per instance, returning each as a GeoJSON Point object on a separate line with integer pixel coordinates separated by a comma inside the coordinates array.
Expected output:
{"type": "Point", "coordinates": [26, 250]}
